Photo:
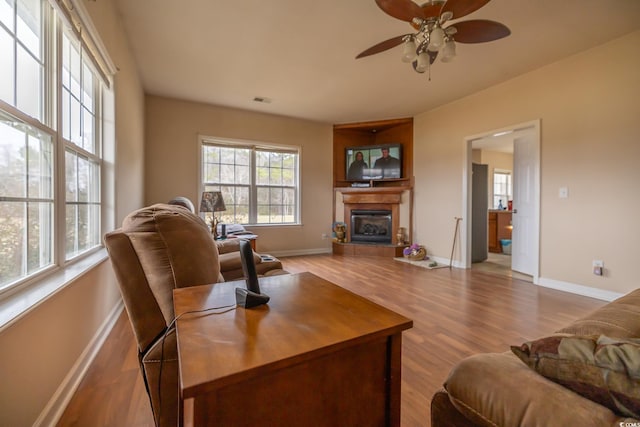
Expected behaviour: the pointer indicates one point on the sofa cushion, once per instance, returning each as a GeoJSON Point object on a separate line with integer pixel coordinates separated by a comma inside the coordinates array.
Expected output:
{"type": "Point", "coordinates": [620, 318]}
{"type": "Point", "coordinates": [497, 389]}
{"type": "Point", "coordinates": [232, 261]}
{"type": "Point", "coordinates": [600, 368]}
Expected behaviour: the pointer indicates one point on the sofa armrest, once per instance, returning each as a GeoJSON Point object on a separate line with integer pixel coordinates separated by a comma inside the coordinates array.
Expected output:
{"type": "Point", "coordinates": [498, 389]}
{"type": "Point", "coordinates": [228, 245]}
{"type": "Point", "coordinates": [444, 414]}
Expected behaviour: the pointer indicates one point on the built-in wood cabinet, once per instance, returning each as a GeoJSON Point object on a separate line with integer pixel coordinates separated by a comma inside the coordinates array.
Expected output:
{"type": "Point", "coordinates": [373, 133]}
{"type": "Point", "coordinates": [499, 227]}
{"type": "Point", "coordinates": [379, 192]}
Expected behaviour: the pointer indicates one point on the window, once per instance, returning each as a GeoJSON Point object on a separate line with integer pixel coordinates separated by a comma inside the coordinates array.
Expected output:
{"type": "Point", "coordinates": [50, 141]}
{"type": "Point", "coordinates": [82, 162]}
{"type": "Point", "coordinates": [259, 183]}
{"type": "Point", "coordinates": [26, 201]}
{"type": "Point", "coordinates": [21, 48]}
{"type": "Point", "coordinates": [502, 189]}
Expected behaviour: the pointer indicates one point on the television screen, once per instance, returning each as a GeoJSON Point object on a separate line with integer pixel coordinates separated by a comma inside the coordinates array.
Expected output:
{"type": "Point", "coordinates": [373, 162]}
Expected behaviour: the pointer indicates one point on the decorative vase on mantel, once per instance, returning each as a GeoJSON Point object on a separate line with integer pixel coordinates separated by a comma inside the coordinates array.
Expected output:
{"type": "Point", "coordinates": [400, 236]}
{"type": "Point", "coordinates": [340, 230]}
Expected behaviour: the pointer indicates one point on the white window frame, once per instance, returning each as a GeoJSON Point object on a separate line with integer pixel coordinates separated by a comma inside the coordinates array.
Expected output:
{"type": "Point", "coordinates": [505, 197]}
{"type": "Point", "coordinates": [253, 186]}
{"type": "Point", "coordinates": [70, 16]}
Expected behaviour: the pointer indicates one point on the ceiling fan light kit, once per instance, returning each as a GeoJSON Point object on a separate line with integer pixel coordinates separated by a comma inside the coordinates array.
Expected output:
{"type": "Point", "coordinates": [432, 38]}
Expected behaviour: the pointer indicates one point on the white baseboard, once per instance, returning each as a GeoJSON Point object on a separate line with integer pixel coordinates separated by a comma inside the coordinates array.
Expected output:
{"type": "Point", "coordinates": [578, 289]}
{"type": "Point", "coordinates": [298, 252]}
{"type": "Point", "coordinates": [54, 409]}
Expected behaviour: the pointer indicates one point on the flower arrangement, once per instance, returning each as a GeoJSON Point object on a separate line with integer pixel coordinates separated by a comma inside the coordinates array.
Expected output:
{"type": "Point", "coordinates": [415, 252]}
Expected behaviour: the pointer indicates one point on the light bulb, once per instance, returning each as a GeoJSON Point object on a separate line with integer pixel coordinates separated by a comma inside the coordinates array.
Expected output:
{"type": "Point", "coordinates": [409, 51]}
{"type": "Point", "coordinates": [449, 51]}
{"type": "Point", "coordinates": [423, 62]}
{"type": "Point", "coordinates": [436, 39]}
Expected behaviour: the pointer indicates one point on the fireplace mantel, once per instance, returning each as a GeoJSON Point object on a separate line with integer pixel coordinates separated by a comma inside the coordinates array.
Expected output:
{"type": "Point", "coordinates": [391, 195]}
{"type": "Point", "coordinates": [371, 198]}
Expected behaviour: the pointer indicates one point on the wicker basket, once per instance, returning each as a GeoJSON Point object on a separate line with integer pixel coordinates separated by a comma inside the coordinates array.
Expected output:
{"type": "Point", "coordinates": [418, 256]}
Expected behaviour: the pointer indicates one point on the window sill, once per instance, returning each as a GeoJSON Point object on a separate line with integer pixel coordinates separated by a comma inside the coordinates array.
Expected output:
{"type": "Point", "coordinates": [21, 302]}
{"type": "Point", "coordinates": [296, 224]}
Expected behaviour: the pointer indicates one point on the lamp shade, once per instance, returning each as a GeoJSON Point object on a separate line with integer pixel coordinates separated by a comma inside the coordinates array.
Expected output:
{"type": "Point", "coordinates": [409, 51]}
{"type": "Point", "coordinates": [423, 62]}
{"type": "Point", "coordinates": [212, 201]}
{"type": "Point", "coordinates": [436, 39]}
{"type": "Point", "coordinates": [449, 51]}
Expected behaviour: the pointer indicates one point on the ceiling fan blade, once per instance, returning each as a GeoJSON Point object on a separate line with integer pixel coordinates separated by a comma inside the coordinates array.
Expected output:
{"type": "Point", "coordinates": [405, 10]}
{"type": "Point", "coordinates": [479, 31]}
{"type": "Point", "coordinates": [432, 8]}
{"type": "Point", "coordinates": [461, 8]}
{"type": "Point", "coordinates": [382, 46]}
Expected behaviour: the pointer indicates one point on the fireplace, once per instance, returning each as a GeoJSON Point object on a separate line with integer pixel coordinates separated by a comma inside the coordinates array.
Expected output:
{"type": "Point", "coordinates": [371, 226]}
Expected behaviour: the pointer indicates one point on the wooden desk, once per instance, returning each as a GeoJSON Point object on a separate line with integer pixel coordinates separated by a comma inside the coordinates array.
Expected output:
{"type": "Point", "coordinates": [317, 355]}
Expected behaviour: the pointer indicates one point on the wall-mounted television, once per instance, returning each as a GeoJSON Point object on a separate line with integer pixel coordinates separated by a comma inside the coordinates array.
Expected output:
{"type": "Point", "coordinates": [373, 162]}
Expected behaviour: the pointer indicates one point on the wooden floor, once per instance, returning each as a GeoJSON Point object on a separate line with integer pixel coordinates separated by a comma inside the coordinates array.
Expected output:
{"type": "Point", "coordinates": [456, 313]}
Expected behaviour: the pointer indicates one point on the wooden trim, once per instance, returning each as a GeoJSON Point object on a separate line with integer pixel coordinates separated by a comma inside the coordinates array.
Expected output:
{"type": "Point", "coordinates": [374, 126]}
{"type": "Point", "coordinates": [371, 198]}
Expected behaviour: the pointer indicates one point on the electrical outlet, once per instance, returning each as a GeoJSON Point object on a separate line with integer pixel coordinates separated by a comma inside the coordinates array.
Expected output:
{"type": "Point", "coordinates": [324, 236]}
{"type": "Point", "coordinates": [563, 193]}
{"type": "Point", "coordinates": [598, 267]}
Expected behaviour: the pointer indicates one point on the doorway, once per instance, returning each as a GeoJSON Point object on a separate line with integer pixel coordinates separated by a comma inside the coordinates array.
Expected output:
{"type": "Point", "coordinates": [523, 141]}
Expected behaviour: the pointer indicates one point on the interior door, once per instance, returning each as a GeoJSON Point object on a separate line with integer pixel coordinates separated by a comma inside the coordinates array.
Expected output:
{"type": "Point", "coordinates": [479, 207]}
{"type": "Point", "coordinates": [526, 189]}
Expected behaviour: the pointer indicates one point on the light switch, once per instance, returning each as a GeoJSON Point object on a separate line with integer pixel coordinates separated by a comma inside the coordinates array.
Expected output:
{"type": "Point", "coordinates": [563, 193]}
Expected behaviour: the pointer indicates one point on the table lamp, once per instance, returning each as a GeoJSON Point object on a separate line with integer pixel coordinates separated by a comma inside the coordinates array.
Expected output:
{"type": "Point", "coordinates": [212, 201]}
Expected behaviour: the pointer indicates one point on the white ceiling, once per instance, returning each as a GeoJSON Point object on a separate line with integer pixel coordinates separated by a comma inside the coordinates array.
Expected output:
{"type": "Point", "coordinates": [301, 53]}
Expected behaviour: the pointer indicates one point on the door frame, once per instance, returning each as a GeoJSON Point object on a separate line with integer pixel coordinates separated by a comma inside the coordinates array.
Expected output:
{"type": "Point", "coordinates": [531, 128]}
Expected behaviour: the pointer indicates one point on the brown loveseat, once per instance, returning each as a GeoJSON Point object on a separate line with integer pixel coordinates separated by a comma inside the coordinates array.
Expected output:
{"type": "Point", "coordinates": [231, 263]}
{"type": "Point", "coordinates": [229, 251]}
{"type": "Point", "coordinates": [597, 356]}
{"type": "Point", "coordinates": [157, 249]}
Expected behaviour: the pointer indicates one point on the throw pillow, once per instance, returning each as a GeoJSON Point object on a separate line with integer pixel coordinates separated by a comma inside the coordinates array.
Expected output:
{"type": "Point", "coordinates": [602, 369]}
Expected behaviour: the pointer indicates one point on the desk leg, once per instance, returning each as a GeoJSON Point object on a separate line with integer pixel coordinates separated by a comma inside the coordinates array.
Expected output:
{"type": "Point", "coordinates": [186, 413]}
{"type": "Point", "coordinates": [395, 379]}
{"type": "Point", "coordinates": [202, 411]}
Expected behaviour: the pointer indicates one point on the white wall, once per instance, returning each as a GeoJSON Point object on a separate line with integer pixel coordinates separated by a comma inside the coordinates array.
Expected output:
{"type": "Point", "coordinates": [589, 109]}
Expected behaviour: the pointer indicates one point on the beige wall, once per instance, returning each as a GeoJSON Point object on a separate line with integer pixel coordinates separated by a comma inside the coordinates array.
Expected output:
{"type": "Point", "coordinates": [172, 129]}
{"type": "Point", "coordinates": [40, 349]}
{"type": "Point", "coordinates": [589, 107]}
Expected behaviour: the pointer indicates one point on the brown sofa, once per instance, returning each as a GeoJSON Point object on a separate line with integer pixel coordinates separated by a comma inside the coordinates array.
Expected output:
{"type": "Point", "coordinates": [229, 252]}
{"type": "Point", "coordinates": [157, 249]}
{"type": "Point", "coordinates": [514, 389]}
{"type": "Point", "coordinates": [231, 264]}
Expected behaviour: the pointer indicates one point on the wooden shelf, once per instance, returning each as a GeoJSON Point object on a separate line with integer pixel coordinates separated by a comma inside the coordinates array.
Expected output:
{"type": "Point", "coordinates": [397, 131]}
{"type": "Point", "coordinates": [395, 182]}
{"type": "Point", "coordinates": [380, 194]}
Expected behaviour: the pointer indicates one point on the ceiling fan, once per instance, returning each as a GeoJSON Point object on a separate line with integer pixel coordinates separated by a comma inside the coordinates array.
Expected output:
{"type": "Point", "coordinates": [432, 37]}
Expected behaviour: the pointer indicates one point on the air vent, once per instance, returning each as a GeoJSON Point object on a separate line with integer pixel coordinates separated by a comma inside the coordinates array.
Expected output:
{"type": "Point", "coordinates": [262, 99]}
